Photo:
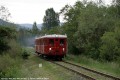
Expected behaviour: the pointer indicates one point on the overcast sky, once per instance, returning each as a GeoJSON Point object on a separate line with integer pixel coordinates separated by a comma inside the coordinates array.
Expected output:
{"type": "Point", "coordinates": [28, 11]}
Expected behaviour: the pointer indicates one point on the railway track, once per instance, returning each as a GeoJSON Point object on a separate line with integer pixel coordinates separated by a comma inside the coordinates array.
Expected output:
{"type": "Point", "coordinates": [102, 74]}
{"type": "Point", "coordinates": [81, 74]}
{"type": "Point", "coordinates": [85, 72]}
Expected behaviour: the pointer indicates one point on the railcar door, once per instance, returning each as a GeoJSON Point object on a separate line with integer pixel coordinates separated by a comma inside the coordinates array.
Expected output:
{"type": "Point", "coordinates": [56, 45]}
{"type": "Point", "coordinates": [62, 45]}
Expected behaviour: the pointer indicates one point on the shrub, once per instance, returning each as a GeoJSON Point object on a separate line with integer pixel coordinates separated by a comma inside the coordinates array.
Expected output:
{"type": "Point", "coordinates": [109, 48]}
{"type": "Point", "coordinates": [6, 33]}
{"type": "Point", "coordinates": [15, 49]}
{"type": "Point", "coordinates": [25, 54]}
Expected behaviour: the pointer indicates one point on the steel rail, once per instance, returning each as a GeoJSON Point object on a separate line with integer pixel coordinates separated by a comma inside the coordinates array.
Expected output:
{"type": "Point", "coordinates": [81, 74]}
{"type": "Point", "coordinates": [91, 70]}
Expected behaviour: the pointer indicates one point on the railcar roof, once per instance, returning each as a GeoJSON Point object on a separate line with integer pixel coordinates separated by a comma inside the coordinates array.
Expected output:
{"type": "Point", "coordinates": [53, 36]}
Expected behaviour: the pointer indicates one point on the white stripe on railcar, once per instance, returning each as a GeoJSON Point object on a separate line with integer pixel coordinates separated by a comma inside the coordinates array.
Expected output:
{"type": "Point", "coordinates": [53, 36]}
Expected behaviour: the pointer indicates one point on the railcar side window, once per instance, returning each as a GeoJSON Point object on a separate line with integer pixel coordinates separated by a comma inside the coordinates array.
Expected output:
{"type": "Point", "coordinates": [51, 42]}
{"type": "Point", "coordinates": [61, 42]}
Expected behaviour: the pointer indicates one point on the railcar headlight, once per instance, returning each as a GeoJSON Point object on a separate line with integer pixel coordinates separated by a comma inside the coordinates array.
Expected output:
{"type": "Point", "coordinates": [63, 49]}
{"type": "Point", "coordinates": [49, 49]}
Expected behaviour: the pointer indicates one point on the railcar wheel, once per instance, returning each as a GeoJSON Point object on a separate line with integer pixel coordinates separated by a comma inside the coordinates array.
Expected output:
{"type": "Point", "coordinates": [59, 58]}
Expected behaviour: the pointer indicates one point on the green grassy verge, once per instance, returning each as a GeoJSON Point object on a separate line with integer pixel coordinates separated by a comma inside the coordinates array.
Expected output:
{"type": "Point", "coordinates": [30, 68]}
{"type": "Point", "coordinates": [112, 68]}
{"type": "Point", "coordinates": [10, 60]}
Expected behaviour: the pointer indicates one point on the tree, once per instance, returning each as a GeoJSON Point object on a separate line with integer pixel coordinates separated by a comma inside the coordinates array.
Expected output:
{"type": "Point", "coordinates": [116, 2]}
{"type": "Point", "coordinates": [71, 15]}
{"type": "Point", "coordinates": [117, 5]}
{"type": "Point", "coordinates": [109, 49]}
{"type": "Point", "coordinates": [86, 22]}
{"type": "Point", "coordinates": [6, 33]}
{"type": "Point", "coordinates": [51, 19]}
{"type": "Point", "coordinates": [4, 13]}
{"type": "Point", "coordinates": [34, 28]}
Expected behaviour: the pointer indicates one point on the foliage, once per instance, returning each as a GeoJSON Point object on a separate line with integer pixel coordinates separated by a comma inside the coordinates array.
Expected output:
{"type": "Point", "coordinates": [70, 27]}
{"type": "Point", "coordinates": [25, 54]}
{"type": "Point", "coordinates": [10, 50]}
{"type": "Point", "coordinates": [89, 26]}
{"type": "Point", "coordinates": [109, 48]}
{"type": "Point", "coordinates": [5, 34]}
{"type": "Point", "coordinates": [92, 29]}
{"type": "Point", "coordinates": [4, 13]}
{"type": "Point", "coordinates": [51, 19]}
{"type": "Point", "coordinates": [117, 5]}
{"type": "Point", "coordinates": [15, 49]}
{"type": "Point", "coordinates": [34, 28]}
{"type": "Point", "coordinates": [54, 30]}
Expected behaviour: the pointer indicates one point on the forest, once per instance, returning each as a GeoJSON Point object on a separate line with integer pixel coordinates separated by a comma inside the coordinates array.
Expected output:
{"type": "Point", "coordinates": [93, 29]}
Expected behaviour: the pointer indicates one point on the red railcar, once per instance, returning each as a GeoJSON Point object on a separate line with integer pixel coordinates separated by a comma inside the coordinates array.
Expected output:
{"type": "Point", "coordinates": [51, 45]}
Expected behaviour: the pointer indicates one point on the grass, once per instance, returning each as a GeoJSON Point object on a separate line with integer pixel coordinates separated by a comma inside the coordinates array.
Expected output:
{"type": "Point", "coordinates": [10, 60]}
{"type": "Point", "coordinates": [9, 67]}
{"type": "Point", "coordinates": [30, 68]}
{"type": "Point", "coordinates": [112, 68]}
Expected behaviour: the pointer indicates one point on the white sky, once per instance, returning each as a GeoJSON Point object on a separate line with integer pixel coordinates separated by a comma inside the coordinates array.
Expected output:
{"type": "Point", "coordinates": [28, 11]}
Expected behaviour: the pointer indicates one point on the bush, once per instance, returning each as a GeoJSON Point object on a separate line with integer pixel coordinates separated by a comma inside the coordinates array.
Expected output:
{"type": "Point", "coordinates": [10, 52]}
{"type": "Point", "coordinates": [25, 54]}
{"type": "Point", "coordinates": [109, 48]}
{"type": "Point", "coordinates": [6, 33]}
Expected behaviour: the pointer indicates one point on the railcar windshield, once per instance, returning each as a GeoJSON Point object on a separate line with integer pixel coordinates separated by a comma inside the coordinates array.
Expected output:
{"type": "Point", "coordinates": [62, 42]}
{"type": "Point", "coordinates": [51, 42]}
